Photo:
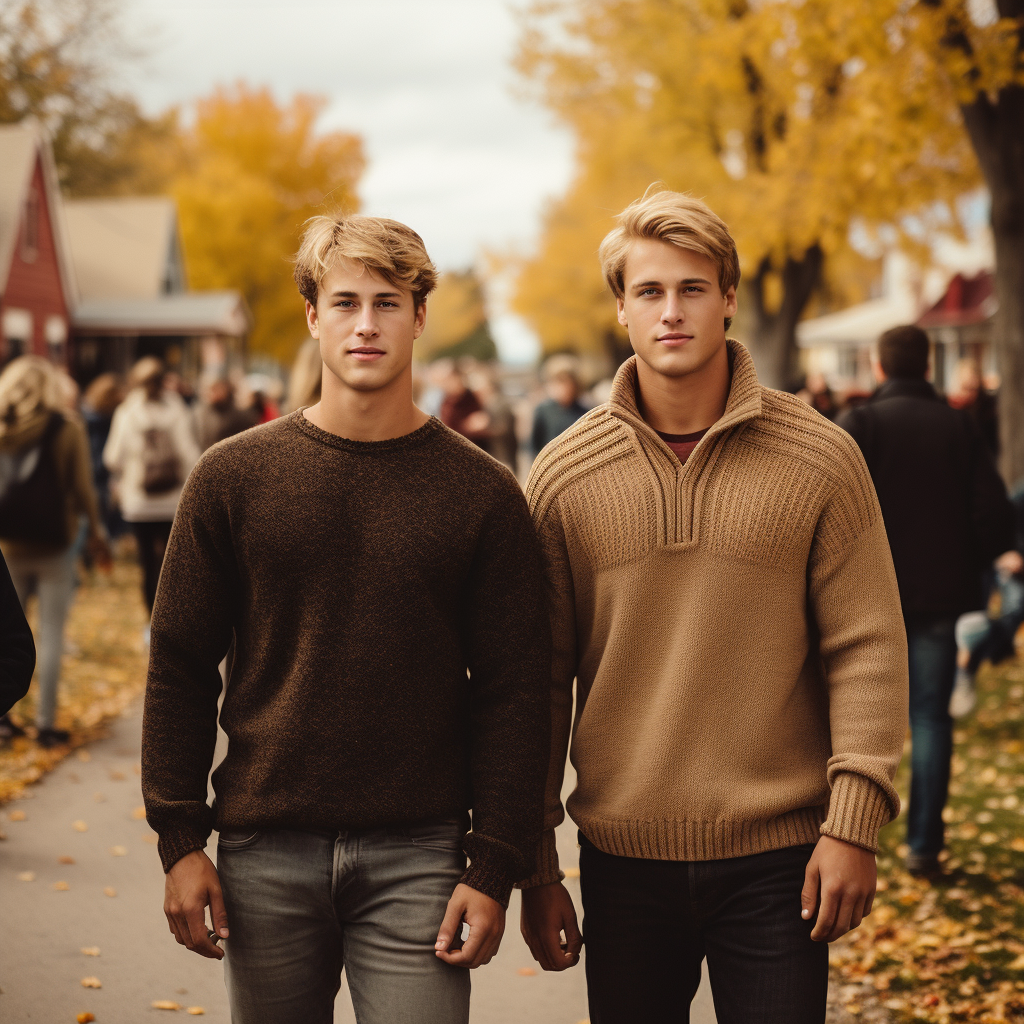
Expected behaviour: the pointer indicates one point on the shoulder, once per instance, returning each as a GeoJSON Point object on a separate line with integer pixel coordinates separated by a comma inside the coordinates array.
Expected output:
{"type": "Point", "coordinates": [470, 467]}
{"type": "Point", "coordinates": [591, 442]}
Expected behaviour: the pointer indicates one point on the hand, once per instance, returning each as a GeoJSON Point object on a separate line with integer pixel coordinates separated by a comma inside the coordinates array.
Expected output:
{"type": "Point", "coordinates": [99, 551]}
{"type": "Point", "coordinates": [190, 887]}
{"type": "Point", "coordinates": [486, 920]}
{"type": "Point", "coordinates": [846, 876]}
{"type": "Point", "coordinates": [1011, 563]}
{"type": "Point", "coordinates": [547, 914]}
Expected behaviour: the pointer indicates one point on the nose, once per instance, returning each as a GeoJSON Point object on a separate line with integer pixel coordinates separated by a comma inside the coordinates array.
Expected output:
{"type": "Point", "coordinates": [672, 311]}
{"type": "Point", "coordinates": [367, 325]}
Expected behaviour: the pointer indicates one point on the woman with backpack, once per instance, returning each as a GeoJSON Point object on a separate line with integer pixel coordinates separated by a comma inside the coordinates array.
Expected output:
{"type": "Point", "coordinates": [152, 448]}
{"type": "Point", "coordinates": [45, 490]}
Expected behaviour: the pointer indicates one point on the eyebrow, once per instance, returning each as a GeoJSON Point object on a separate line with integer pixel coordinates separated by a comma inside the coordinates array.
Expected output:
{"type": "Point", "coordinates": [355, 295]}
{"type": "Point", "coordinates": [686, 280]}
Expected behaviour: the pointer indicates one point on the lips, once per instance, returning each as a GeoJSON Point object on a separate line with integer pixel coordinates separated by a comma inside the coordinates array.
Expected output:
{"type": "Point", "coordinates": [675, 339]}
{"type": "Point", "coordinates": [366, 353]}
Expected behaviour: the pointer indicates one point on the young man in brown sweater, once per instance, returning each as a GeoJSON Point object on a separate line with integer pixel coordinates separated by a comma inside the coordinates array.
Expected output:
{"type": "Point", "coordinates": [722, 592]}
{"type": "Point", "coordinates": [379, 578]}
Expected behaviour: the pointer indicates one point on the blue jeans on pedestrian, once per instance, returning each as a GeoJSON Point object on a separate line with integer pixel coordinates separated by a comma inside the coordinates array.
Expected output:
{"type": "Point", "coordinates": [648, 924]}
{"type": "Point", "coordinates": [931, 649]}
{"type": "Point", "coordinates": [302, 906]}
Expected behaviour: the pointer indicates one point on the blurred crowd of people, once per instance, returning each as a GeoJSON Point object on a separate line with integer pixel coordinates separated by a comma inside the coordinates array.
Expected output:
{"type": "Point", "coordinates": [78, 471]}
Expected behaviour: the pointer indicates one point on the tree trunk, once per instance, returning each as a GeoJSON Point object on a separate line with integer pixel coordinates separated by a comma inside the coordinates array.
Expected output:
{"type": "Point", "coordinates": [997, 134]}
{"type": "Point", "coordinates": [773, 344]}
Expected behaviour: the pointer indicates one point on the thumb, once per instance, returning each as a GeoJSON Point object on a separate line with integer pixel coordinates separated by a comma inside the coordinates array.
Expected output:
{"type": "Point", "coordinates": [573, 939]}
{"type": "Point", "coordinates": [451, 924]}
{"type": "Point", "coordinates": [218, 914]}
{"type": "Point", "coordinates": [809, 893]}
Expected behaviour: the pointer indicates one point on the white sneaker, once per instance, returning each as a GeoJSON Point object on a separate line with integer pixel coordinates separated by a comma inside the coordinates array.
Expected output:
{"type": "Point", "coordinates": [964, 697]}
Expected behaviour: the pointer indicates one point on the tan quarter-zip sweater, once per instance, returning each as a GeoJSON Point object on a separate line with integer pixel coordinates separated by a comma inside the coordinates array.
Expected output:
{"type": "Point", "coordinates": [733, 626]}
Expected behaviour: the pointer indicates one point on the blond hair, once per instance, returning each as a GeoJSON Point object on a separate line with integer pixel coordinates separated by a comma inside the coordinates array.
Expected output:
{"type": "Point", "coordinates": [29, 392]}
{"type": "Point", "coordinates": [383, 246]}
{"type": "Point", "coordinates": [676, 218]}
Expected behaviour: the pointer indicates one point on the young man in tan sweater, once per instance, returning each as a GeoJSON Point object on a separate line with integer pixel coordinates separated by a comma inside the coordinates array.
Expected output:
{"type": "Point", "coordinates": [722, 592]}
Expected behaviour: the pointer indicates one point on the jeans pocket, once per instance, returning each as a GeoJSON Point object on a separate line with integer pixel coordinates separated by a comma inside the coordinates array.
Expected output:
{"type": "Point", "coordinates": [443, 834]}
{"type": "Point", "coordinates": [236, 839]}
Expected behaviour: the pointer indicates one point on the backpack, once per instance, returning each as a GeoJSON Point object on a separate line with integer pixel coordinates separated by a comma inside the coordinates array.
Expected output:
{"type": "Point", "coordinates": [161, 467]}
{"type": "Point", "coordinates": [32, 503]}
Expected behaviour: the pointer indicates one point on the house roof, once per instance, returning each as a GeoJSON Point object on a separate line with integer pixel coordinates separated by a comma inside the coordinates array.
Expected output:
{"type": "Point", "coordinates": [858, 325]}
{"type": "Point", "coordinates": [185, 314]}
{"type": "Point", "coordinates": [125, 247]}
{"type": "Point", "coordinates": [965, 302]}
{"type": "Point", "coordinates": [20, 145]}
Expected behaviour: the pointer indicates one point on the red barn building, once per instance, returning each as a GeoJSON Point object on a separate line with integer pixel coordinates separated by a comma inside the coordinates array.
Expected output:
{"type": "Point", "coordinates": [37, 286]}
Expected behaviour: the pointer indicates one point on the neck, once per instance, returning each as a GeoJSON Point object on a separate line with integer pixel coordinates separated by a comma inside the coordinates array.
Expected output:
{"type": "Point", "coordinates": [377, 415]}
{"type": "Point", "coordinates": [686, 404]}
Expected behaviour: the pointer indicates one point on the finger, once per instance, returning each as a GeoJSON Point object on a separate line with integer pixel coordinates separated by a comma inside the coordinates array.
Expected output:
{"type": "Point", "coordinates": [218, 912]}
{"type": "Point", "coordinates": [199, 940]}
{"type": "Point", "coordinates": [827, 910]}
{"type": "Point", "coordinates": [844, 915]}
{"type": "Point", "coordinates": [573, 937]}
{"type": "Point", "coordinates": [172, 924]}
{"type": "Point", "coordinates": [869, 902]}
{"type": "Point", "coordinates": [475, 944]}
{"type": "Point", "coordinates": [809, 893]}
{"type": "Point", "coordinates": [450, 926]}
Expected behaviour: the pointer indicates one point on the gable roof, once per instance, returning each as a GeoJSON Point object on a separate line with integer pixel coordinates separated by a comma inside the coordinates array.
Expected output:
{"type": "Point", "coordinates": [186, 314]}
{"type": "Point", "coordinates": [125, 247]}
{"type": "Point", "coordinates": [20, 146]}
{"type": "Point", "coordinates": [966, 301]}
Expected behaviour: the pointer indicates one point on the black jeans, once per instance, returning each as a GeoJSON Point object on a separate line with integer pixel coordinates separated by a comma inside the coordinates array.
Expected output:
{"type": "Point", "coordinates": [648, 924]}
{"type": "Point", "coordinates": [152, 540]}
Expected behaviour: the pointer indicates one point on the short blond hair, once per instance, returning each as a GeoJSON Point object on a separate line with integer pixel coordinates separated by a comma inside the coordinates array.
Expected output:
{"type": "Point", "coordinates": [383, 246]}
{"type": "Point", "coordinates": [676, 218]}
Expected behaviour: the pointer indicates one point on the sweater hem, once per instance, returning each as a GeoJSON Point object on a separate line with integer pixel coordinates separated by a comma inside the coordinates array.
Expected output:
{"type": "Point", "coordinates": [698, 840]}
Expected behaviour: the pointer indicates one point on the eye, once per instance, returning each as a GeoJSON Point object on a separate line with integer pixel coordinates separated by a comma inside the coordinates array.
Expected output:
{"type": "Point", "coordinates": [388, 304]}
{"type": "Point", "coordinates": [649, 291]}
{"type": "Point", "coordinates": [345, 304]}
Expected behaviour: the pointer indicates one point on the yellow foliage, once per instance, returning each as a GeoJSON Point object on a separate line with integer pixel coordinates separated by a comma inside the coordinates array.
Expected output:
{"type": "Point", "coordinates": [793, 121]}
{"type": "Point", "coordinates": [454, 310]}
{"type": "Point", "coordinates": [253, 172]}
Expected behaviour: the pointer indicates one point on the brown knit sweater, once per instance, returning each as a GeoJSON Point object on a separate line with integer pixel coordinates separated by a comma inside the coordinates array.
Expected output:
{"type": "Point", "coordinates": [360, 581]}
{"type": "Point", "coordinates": [733, 625]}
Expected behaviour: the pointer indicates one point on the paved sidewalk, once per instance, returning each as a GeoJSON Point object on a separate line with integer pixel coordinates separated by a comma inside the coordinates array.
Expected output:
{"type": "Point", "coordinates": [111, 898]}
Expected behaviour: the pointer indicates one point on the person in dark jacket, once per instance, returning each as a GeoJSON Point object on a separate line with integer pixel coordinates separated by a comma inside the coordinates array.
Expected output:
{"type": "Point", "coordinates": [947, 518]}
{"type": "Point", "coordinates": [17, 652]}
{"type": "Point", "coordinates": [560, 410]}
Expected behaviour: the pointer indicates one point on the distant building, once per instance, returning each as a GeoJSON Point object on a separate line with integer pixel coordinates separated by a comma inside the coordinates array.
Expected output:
{"type": "Point", "coordinates": [37, 285]}
{"type": "Point", "coordinates": [97, 283]}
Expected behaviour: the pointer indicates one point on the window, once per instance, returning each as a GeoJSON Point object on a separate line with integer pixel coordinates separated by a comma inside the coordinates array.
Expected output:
{"type": "Point", "coordinates": [30, 227]}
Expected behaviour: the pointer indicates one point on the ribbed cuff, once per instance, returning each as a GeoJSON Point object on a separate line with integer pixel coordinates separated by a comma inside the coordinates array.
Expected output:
{"type": "Point", "coordinates": [547, 863]}
{"type": "Point", "coordinates": [857, 810]}
{"type": "Point", "coordinates": [175, 843]}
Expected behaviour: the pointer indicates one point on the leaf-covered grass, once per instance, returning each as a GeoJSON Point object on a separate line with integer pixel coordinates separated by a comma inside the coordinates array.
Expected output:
{"type": "Point", "coordinates": [104, 669]}
{"type": "Point", "coordinates": [952, 949]}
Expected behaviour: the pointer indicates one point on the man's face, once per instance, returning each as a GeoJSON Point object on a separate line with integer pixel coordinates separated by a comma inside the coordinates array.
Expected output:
{"type": "Point", "coordinates": [365, 325]}
{"type": "Point", "coordinates": [673, 307]}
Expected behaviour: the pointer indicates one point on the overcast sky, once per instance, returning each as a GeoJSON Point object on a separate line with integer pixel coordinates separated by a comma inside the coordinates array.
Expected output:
{"type": "Point", "coordinates": [426, 83]}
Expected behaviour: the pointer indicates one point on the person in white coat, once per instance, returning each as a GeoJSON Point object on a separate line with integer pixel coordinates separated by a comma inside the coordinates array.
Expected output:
{"type": "Point", "coordinates": [152, 448]}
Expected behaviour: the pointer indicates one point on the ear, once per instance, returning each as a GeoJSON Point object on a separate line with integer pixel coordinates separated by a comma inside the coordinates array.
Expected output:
{"type": "Point", "coordinates": [420, 321]}
{"type": "Point", "coordinates": [620, 307]}
{"type": "Point", "coordinates": [312, 320]}
{"type": "Point", "coordinates": [730, 302]}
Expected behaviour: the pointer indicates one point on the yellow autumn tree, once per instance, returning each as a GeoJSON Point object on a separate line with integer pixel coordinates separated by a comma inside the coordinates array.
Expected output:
{"type": "Point", "coordinates": [793, 121]}
{"type": "Point", "coordinates": [253, 171]}
{"type": "Point", "coordinates": [456, 319]}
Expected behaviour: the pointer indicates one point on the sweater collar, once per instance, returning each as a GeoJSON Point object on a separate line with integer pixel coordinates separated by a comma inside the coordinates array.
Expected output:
{"type": "Point", "coordinates": [743, 403]}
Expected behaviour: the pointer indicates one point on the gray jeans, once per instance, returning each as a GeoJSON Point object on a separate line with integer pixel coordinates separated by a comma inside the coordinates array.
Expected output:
{"type": "Point", "coordinates": [302, 906]}
{"type": "Point", "coordinates": [52, 579]}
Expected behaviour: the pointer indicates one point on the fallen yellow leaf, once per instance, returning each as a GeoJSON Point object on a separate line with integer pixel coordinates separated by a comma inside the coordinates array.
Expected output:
{"type": "Point", "coordinates": [151, 838]}
{"type": "Point", "coordinates": [165, 1004]}
{"type": "Point", "coordinates": [83, 755]}
{"type": "Point", "coordinates": [572, 872]}
{"type": "Point", "coordinates": [61, 886]}
{"type": "Point", "coordinates": [80, 826]}
{"type": "Point", "coordinates": [91, 983]}
{"type": "Point", "coordinates": [26, 876]}
{"type": "Point", "coordinates": [65, 860]}
{"type": "Point", "coordinates": [1017, 844]}
{"type": "Point", "coordinates": [1018, 964]}
{"type": "Point", "coordinates": [116, 776]}
{"type": "Point", "coordinates": [99, 798]}
{"type": "Point", "coordinates": [118, 851]}
{"type": "Point", "coordinates": [17, 816]}
{"type": "Point", "coordinates": [90, 950]}
{"type": "Point", "coordinates": [139, 813]}
{"type": "Point", "coordinates": [195, 1010]}
{"type": "Point", "coordinates": [526, 972]}
{"type": "Point", "coordinates": [85, 1018]}
{"type": "Point", "coordinates": [988, 838]}
{"type": "Point", "coordinates": [109, 891]}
